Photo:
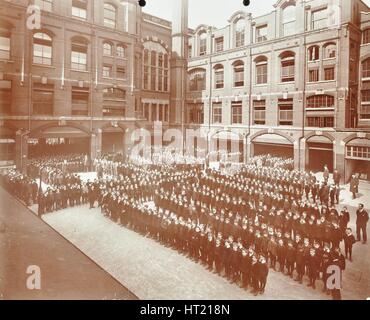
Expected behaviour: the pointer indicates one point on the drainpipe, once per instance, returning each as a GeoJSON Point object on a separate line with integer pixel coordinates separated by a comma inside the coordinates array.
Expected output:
{"type": "Point", "coordinates": [210, 95]}
{"type": "Point", "coordinates": [250, 93]}
{"type": "Point", "coordinates": [300, 165]}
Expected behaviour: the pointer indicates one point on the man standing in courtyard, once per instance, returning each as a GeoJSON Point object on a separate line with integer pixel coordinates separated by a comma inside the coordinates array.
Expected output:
{"type": "Point", "coordinates": [361, 223]}
{"type": "Point", "coordinates": [354, 186]}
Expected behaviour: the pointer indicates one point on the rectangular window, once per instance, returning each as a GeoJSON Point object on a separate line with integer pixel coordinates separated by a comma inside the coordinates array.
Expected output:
{"type": "Point", "coordinates": [261, 33]}
{"type": "Point", "coordinates": [166, 113]}
{"type": "Point", "coordinates": [313, 75]}
{"type": "Point", "coordinates": [239, 76]}
{"type": "Point", "coordinates": [365, 112]}
{"type": "Point", "coordinates": [153, 78]}
{"type": "Point", "coordinates": [236, 113]}
{"type": "Point", "coordinates": [109, 16]}
{"type": "Point", "coordinates": [80, 102]}
{"type": "Point", "coordinates": [203, 45]}
{"type": "Point", "coordinates": [259, 112]}
{"type": "Point", "coordinates": [5, 100]}
{"type": "Point", "coordinates": [287, 70]}
{"type": "Point", "coordinates": [366, 69]}
{"type": "Point", "coordinates": [42, 52]}
{"type": "Point", "coordinates": [107, 71]}
{"type": "Point", "coordinates": [359, 152]}
{"type": "Point", "coordinates": [114, 111]}
{"type": "Point", "coordinates": [366, 36]}
{"type": "Point", "coordinates": [196, 114]}
{"type": "Point", "coordinates": [219, 78]}
{"type": "Point", "coordinates": [286, 112]}
{"type": "Point", "coordinates": [190, 50]}
{"type": "Point", "coordinates": [43, 99]}
{"type": "Point", "coordinates": [154, 112]}
{"type": "Point", "coordinates": [329, 73]}
{"type": "Point", "coordinates": [217, 112]}
{"type": "Point", "coordinates": [219, 44]}
{"type": "Point", "coordinates": [121, 73]}
{"type": "Point", "coordinates": [365, 96]}
{"type": "Point", "coordinates": [45, 5]}
{"type": "Point", "coordinates": [320, 122]}
{"type": "Point", "coordinates": [160, 112]}
{"type": "Point", "coordinates": [165, 81]}
{"type": "Point", "coordinates": [261, 73]}
{"type": "Point", "coordinates": [319, 19]}
{"type": "Point", "coordinates": [79, 9]}
{"type": "Point", "coordinates": [4, 46]}
{"type": "Point", "coordinates": [146, 111]}
{"type": "Point", "coordinates": [78, 58]}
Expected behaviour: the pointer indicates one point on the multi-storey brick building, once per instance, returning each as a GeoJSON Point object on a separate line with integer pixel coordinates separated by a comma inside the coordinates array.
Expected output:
{"type": "Point", "coordinates": [293, 82]}
{"type": "Point", "coordinates": [87, 76]}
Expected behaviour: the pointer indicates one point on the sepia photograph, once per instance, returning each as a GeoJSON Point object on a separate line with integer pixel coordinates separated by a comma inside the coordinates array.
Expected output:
{"type": "Point", "coordinates": [184, 150]}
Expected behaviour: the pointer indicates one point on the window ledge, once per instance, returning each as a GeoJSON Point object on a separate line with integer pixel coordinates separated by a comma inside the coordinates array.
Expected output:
{"type": "Point", "coordinates": [43, 65]}
{"type": "Point", "coordinates": [287, 82]}
{"type": "Point", "coordinates": [321, 81]}
{"type": "Point", "coordinates": [82, 71]}
{"type": "Point", "coordinates": [261, 85]}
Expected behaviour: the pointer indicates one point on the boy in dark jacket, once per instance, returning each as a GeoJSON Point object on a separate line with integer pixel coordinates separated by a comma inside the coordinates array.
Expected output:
{"type": "Point", "coordinates": [349, 241]}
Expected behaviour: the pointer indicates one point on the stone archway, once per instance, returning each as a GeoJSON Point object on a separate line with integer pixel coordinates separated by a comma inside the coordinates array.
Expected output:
{"type": "Point", "coordinates": [229, 143]}
{"type": "Point", "coordinates": [319, 152]}
{"type": "Point", "coordinates": [272, 142]}
{"type": "Point", "coordinates": [58, 138]}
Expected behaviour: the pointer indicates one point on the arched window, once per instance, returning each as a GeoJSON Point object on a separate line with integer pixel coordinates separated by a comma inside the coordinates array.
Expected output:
{"type": "Point", "coordinates": [366, 68]}
{"type": "Point", "coordinates": [261, 70]}
{"type": "Point", "coordinates": [107, 49]}
{"type": "Point", "coordinates": [240, 33]}
{"type": "Point", "coordinates": [287, 66]}
{"type": "Point", "coordinates": [288, 20]}
{"type": "Point", "coordinates": [79, 47]}
{"type": "Point", "coordinates": [219, 76]}
{"type": "Point", "coordinates": [238, 73]}
{"type": "Point", "coordinates": [203, 43]}
{"type": "Point", "coordinates": [155, 67]}
{"type": "Point", "coordinates": [109, 15]}
{"type": "Point", "coordinates": [314, 53]}
{"type": "Point", "coordinates": [330, 50]}
{"type": "Point", "coordinates": [197, 80]}
{"type": "Point", "coordinates": [320, 101]}
{"type": "Point", "coordinates": [42, 48]}
{"type": "Point", "coordinates": [4, 44]}
{"type": "Point", "coordinates": [121, 51]}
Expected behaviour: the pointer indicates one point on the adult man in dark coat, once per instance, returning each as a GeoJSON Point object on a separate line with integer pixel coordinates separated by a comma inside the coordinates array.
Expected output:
{"type": "Point", "coordinates": [354, 186]}
{"type": "Point", "coordinates": [361, 223]}
{"type": "Point", "coordinates": [263, 271]}
{"type": "Point", "coordinates": [336, 177]}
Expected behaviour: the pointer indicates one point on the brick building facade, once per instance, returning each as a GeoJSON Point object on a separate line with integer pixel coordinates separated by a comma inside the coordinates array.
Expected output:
{"type": "Point", "coordinates": [292, 82]}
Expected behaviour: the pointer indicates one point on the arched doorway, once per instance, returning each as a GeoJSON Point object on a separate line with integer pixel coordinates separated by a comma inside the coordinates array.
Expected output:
{"type": "Point", "coordinates": [58, 140]}
{"type": "Point", "coordinates": [113, 140]}
{"type": "Point", "coordinates": [227, 146]}
{"type": "Point", "coordinates": [273, 144]}
{"type": "Point", "coordinates": [320, 153]}
{"type": "Point", "coordinates": [357, 158]}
